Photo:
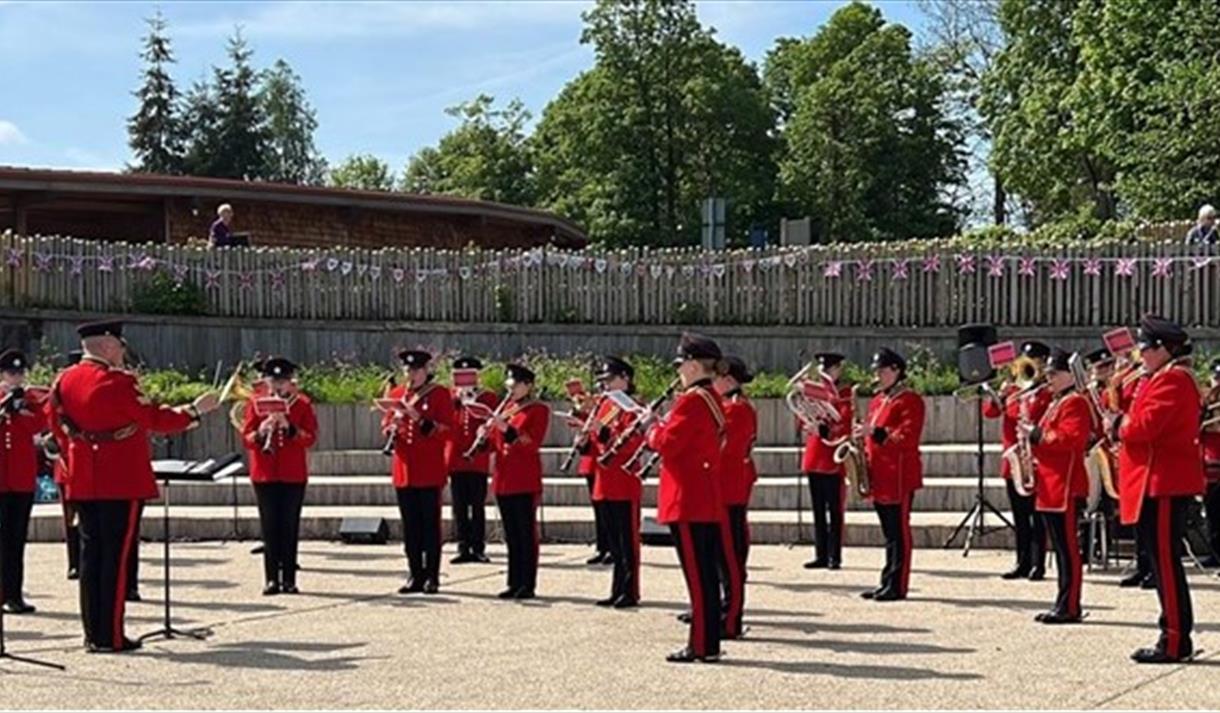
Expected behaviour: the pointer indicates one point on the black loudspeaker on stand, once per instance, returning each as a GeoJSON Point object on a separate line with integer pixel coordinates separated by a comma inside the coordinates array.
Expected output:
{"type": "Point", "coordinates": [974, 367]}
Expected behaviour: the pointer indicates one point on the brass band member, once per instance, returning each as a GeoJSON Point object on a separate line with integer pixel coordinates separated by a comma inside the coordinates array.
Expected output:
{"type": "Point", "coordinates": [617, 490]}
{"type": "Point", "coordinates": [689, 500]}
{"type": "Point", "coordinates": [891, 432]}
{"type": "Point", "coordinates": [1006, 406]}
{"type": "Point", "coordinates": [277, 443]}
{"type": "Point", "coordinates": [516, 436]}
{"type": "Point", "coordinates": [1160, 437]}
{"type": "Point", "coordinates": [68, 507]}
{"type": "Point", "coordinates": [582, 405]}
{"type": "Point", "coordinates": [1210, 436]}
{"type": "Point", "coordinates": [1124, 383]}
{"type": "Point", "coordinates": [22, 418]}
{"type": "Point", "coordinates": [420, 427]}
{"type": "Point", "coordinates": [1059, 441]}
{"type": "Point", "coordinates": [737, 477]}
{"type": "Point", "coordinates": [468, 475]}
{"type": "Point", "coordinates": [107, 420]}
{"type": "Point", "coordinates": [827, 479]}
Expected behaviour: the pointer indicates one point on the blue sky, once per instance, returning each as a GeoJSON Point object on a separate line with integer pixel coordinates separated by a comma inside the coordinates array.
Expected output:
{"type": "Point", "coordinates": [378, 74]}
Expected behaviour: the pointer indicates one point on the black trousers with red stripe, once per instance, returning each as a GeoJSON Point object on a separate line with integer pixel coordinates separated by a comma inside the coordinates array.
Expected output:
{"type": "Point", "coordinates": [600, 524]}
{"type": "Point", "coordinates": [623, 529]}
{"type": "Point", "coordinates": [1061, 526]}
{"type": "Point", "coordinates": [700, 546]}
{"type": "Point", "coordinates": [133, 557]}
{"type": "Point", "coordinates": [827, 493]}
{"type": "Point", "coordinates": [1162, 527]}
{"type": "Point", "coordinates": [519, 518]}
{"type": "Point", "coordinates": [734, 555]}
{"type": "Point", "coordinates": [1031, 530]}
{"type": "Point", "coordinates": [108, 533]}
{"type": "Point", "coordinates": [469, 493]}
{"type": "Point", "coordinates": [14, 525]}
{"type": "Point", "coordinates": [279, 515]}
{"type": "Point", "coordinates": [420, 509]}
{"type": "Point", "coordinates": [71, 529]}
{"type": "Point", "coordinates": [896, 528]}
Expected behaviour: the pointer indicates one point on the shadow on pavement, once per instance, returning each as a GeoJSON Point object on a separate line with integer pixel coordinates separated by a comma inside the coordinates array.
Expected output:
{"type": "Point", "coordinates": [268, 655]}
{"type": "Point", "coordinates": [894, 673]}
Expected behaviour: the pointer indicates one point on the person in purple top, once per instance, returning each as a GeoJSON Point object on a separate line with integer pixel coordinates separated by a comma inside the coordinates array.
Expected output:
{"type": "Point", "coordinates": [219, 235]}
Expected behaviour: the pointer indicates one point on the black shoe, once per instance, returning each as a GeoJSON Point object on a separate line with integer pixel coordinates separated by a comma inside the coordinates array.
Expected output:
{"type": "Point", "coordinates": [463, 558]}
{"type": "Point", "coordinates": [128, 645]}
{"type": "Point", "coordinates": [1132, 580]}
{"type": "Point", "coordinates": [834, 565]}
{"type": "Point", "coordinates": [290, 589]}
{"type": "Point", "coordinates": [816, 564]}
{"type": "Point", "coordinates": [18, 606]}
{"type": "Point", "coordinates": [1148, 583]}
{"type": "Point", "coordinates": [133, 595]}
{"type": "Point", "coordinates": [608, 602]}
{"type": "Point", "coordinates": [524, 593]}
{"type": "Point", "coordinates": [870, 594]}
{"type": "Point", "coordinates": [626, 602]}
{"type": "Point", "coordinates": [1018, 573]}
{"type": "Point", "coordinates": [887, 595]}
{"type": "Point", "coordinates": [1154, 654]}
{"type": "Point", "coordinates": [1210, 562]}
{"type": "Point", "coordinates": [682, 655]}
{"type": "Point", "coordinates": [481, 558]}
{"type": "Point", "coordinates": [73, 574]}
{"type": "Point", "coordinates": [608, 559]}
{"type": "Point", "coordinates": [509, 593]}
{"type": "Point", "coordinates": [1057, 618]}
{"type": "Point", "coordinates": [412, 586]}
{"type": "Point", "coordinates": [686, 617]}
{"type": "Point", "coordinates": [257, 550]}
{"type": "Point", "coordinates": [431, 587]}
{"type": "Point", "coordinates": [271, 589]}
{"type": "Point", "coordinates": [1037, 574]}
{"type": "Point", "coordinates": [599, 558]}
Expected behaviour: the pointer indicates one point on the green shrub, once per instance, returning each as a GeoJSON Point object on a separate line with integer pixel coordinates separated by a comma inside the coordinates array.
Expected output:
{"type": "Point", "coordinates": [689, 313]}
{"type": "Point", "coordinates": [162, 294]}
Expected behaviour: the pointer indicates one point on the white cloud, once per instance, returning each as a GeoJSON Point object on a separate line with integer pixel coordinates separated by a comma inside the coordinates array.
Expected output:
{"type": "Point", "coordinates": [10, 135]}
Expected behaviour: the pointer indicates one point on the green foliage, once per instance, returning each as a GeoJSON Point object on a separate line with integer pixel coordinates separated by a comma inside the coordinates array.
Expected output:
{"type": "Point", "coordinates": [504, 302]}
{"type": "Point", "coordinates": [291, 155]}
{"type": "Point", "coordinates": [363, 171]}
{"type": "Point", "coordinates": [228, 127]}
{"type": "Point", "coordinates": [154, 132]}
{"type": "Point", "coordinates": [173, 387]}
{"type": "Point", "coordinates": [485, 157]}
{"type": "Point", "coordinates": [690, 313]}
{"type": "Point", "coordinates": [869, 149]}
{"type": "Point", "coordinates": [162, 294]}
{"type": "Point", "coordinates": [666, 117]}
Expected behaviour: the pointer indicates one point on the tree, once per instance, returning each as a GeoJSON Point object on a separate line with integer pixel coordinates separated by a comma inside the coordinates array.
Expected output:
{"type": "Point", "coordinates": [290, 120]}
{"type": "Point", "coordinates": [200, 129]}
{"type": "Point", "coordinates": [485, 157]}
{"type": "Point", "coordinates": [154, 131]}
{"type": "Point", "coordinates": [364, 172]}
{"type": "Point", "coordinates": [241, 129]}
{"type": "Point", "coordinates": [667, 116]}
{"type": "Point", "coordinates": [869, 149]}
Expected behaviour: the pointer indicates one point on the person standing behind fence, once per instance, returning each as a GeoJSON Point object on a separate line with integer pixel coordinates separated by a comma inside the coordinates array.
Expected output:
{"type": "Point", "coordinates": [1203, 232]}
{"type": "Point", "coordinates": [220, 235]}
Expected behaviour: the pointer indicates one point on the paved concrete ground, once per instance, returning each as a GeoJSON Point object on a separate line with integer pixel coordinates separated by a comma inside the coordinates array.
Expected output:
{"type": "Point", "coordinates": [966, 639]}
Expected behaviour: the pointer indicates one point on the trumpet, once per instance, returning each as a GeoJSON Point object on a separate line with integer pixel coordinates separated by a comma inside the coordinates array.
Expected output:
{"type": "Point", "coordinates": [640, 424]}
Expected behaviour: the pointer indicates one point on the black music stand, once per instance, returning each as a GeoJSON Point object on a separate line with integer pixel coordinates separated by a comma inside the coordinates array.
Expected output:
{"type": "Point", "coordinates": [974, 522]}
{"type": "Point", "coordinates": [6, 656]}
{"type": "Point", "coordinates": [168, 471]}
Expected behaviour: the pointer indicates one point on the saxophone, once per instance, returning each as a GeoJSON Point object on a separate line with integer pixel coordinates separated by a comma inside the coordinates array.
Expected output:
{"type": "Point", "coordinates": [1020, 455]}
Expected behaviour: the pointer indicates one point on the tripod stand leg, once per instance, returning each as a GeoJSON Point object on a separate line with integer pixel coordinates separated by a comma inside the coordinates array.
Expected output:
{"type": "Point", "coordinates": [32, 662]}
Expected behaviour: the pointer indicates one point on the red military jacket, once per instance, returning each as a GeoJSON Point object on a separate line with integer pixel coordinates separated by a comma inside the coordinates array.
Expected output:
{"type": "Point", "coordinates": [894, 464]}
{"type": "Point", "coordinates": [1067, 427]}
{"type": "Point", "coordinates": [18, 454]}
{"type": "Point", "coordinates": [612, 481]}
{"type": "Point", "coordinates": [1010, 413]}
{"type": "Point", "coordinates": [420, 447]}
{"type": "Point", "coordinates": [737, 473]}
{"type": "Point", "coordinates": [1159, 441]}
{"type": "Point", "coordinates": [587, 465]}
{"type": "Point", "coordinates": [518, 464]}
{"type": "Point", "coordinates": [689, 441]}
{"type": "Point", "coordinates": [819, 455]}
{"type": "Point", "coordinates": [109, 421]}
{"type": "Point", "coordinates": [465, 429]}
{"type": "Point", "coordinates": [60, 470]}
{"type": "Point", "coordinates": [288, 459]}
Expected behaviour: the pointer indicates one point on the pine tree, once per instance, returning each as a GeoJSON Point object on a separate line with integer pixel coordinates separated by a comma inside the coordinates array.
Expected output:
{"type": "Point", "coordinates": [241, 130]}
{"type": "Point", "coordinates": [290, 123]}
{"type": "Point", "coordinates": [200, 129]}
{"type": "Point", "coordinates": [154, 131]}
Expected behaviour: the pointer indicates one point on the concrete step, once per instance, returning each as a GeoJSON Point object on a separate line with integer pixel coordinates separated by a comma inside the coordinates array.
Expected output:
{"type": "Point", "coordinates": [770, 493]}
{"type": "Point", "coordinates": [948, 459]}
{"type": "Point", "coordinates": [558, 524]}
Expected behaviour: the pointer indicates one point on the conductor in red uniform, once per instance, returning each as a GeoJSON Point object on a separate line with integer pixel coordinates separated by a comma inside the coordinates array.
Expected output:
{"type": "Point", "coordinates": [891, 431]}
{"type": "Point", "coordinates": [616, 489]}
{"type": "Point", "coordinates": [827, 479]}
{"type": "Point", "coordinates": [1006, 406]}
{"type": "Point", "coordinates": [689, 497]}
{"type": "Point", "coordinates": [421, 426]}
{"type": "Point", "coordinates": [278, 446]}
{"type": "Point", "coordinates": [516, 438]}
{"type": "Point", "coordinates": [1159, 436]}
{"type": "Point", "coordinates": [468, 475]}
{"type": "Point", "coordinates": [737, 477]}
{"type": "Point", "coordinates": [108, 420]}
{"type": "Point", "coordinates": [1058, 442]}
{"type": "Point", "coordinates": [22, 418]}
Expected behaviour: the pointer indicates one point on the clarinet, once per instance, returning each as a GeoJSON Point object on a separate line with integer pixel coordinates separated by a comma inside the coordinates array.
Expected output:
{"type": "Point", "coordinates": [480, 438]}
{"type": "Point", "coordinates": [392, 435]}
{"type": "Point", "coordinates": [639, 424]}
{"type": "Point", "coordinates": [581, 435]}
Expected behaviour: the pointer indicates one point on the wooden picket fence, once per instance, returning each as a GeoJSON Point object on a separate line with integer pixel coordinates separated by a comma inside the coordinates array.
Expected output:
{"type": "Point", "coordinates": [926, 283]}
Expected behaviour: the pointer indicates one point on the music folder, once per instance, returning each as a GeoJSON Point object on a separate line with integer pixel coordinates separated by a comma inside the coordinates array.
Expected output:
{"type": "Point", "coordinates": [210, 469]}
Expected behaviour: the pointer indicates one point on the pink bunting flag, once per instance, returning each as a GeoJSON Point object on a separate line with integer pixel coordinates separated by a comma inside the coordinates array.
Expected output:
{"type": "Point", "coordinates": [105, 264]}
{"type": "Point", "coordinates": [1027, 267]}
{"type": "Point", "coordinates": [398, 274]}
{"type": "Point", "coordinates": [180, 273]}
{"type": "Point", "coordinates": [211, 280]}
{"type": "Point", "coordinates": [42, 262]}
{"type": "Point", "coordinates": [833, 269]}
{"type": "Point", "coordinates": [965, 264]}
{"type": "Point", "coordinates": [246, 280]}
{"type": "Point", "coordinates": [14, 258]}
{"type": "Point", "coordinates": [1060, 269]}
{"type": "Point", "coordinates": [995, 266]}
{"type": "Point", "coordinates": [1092, 267]}
{"type": "Point", "coordinates": [1199, 263]}
{"type": "Point", "coordinates": [864, 271]}
{"type": "Point", "coordinates": [931, 264]}
{"type": "Point", "coordinates": [76, 265]}
{"type": "Point", "coordinates": [1125, 267]}
{"type": "Point", "coordinates": [309, 265]}
{"type": "Point", "coordinates": [1162, 267]}
{"type": "Point", "coordinates": [902, 269]}
{"type": "Point", "coordinates": [277, 280]}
